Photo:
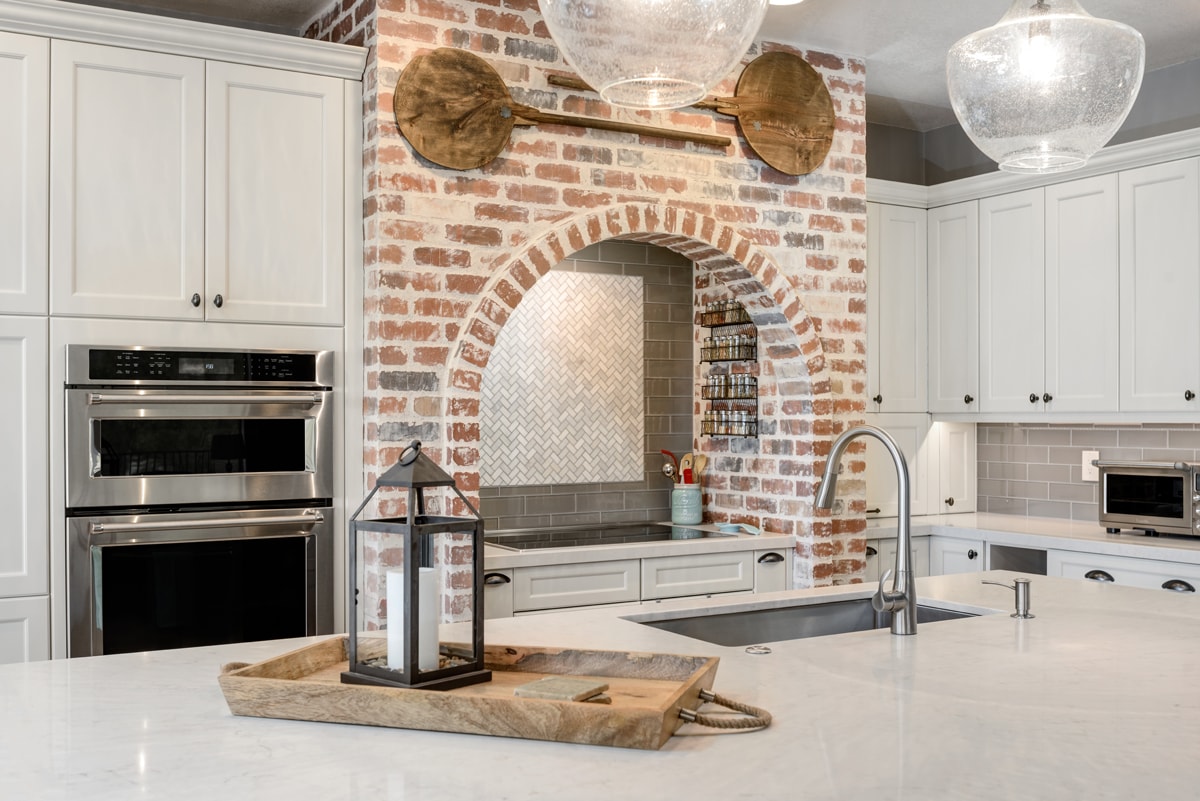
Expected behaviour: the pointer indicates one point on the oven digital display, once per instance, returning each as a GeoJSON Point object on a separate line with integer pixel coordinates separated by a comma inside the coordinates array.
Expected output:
{"type": "Point", "coordinates": [190, 366]}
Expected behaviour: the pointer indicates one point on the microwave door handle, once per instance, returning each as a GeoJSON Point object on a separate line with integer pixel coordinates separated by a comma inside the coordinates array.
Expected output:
{"type": "Point", "coordinates": [300, 399]}
{"type": "Point", "coordinates": [309, 517]}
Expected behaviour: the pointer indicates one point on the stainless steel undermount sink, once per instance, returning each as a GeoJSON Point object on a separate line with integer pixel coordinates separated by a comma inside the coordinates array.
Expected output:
{"type": "Point", "coordinates": [793, 622]}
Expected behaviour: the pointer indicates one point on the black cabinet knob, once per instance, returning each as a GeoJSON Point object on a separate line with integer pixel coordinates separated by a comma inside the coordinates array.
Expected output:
{"type": "Point", "coordinates": [971, 554]}
{"type": "Point", "coordinates": [878, 399]}
{"type": "Point", "coordinates": [968, 398]}
{"type": "Point", "coordinates": [218, 301]}
{"type": "Point", "coordinates": [949, 501]}
{"type": "Point", "coordinates": [1047, 397]}
{"type": "Point", "coordinates": [196, 299]}
{"type": "Point", "coordinates": [1033, 398]}
{"type": "Point", "coordinates": [1189, 395]}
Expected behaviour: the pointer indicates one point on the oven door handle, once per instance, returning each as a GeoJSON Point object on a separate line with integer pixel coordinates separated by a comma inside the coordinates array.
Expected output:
{"type": "Point", "coordinates": [309, 517]}
{"type": "Point", "coordinates": [302, 399]}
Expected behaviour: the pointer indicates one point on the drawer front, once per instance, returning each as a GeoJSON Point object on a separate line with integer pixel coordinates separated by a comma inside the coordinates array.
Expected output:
{"type": "Point", "coordinates": [697, 574]}
{"type": "Point", "coordinates": [1127, 571]}
{"type": "Point", "coordinates": [565, 586]}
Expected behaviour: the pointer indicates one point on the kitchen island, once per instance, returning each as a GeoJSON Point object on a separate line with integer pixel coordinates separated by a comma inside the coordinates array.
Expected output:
{"type": "Point", "coordinates": [1094, 698]}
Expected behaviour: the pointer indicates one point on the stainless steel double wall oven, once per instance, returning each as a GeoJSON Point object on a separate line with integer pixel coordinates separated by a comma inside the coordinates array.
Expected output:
{"type": "Point", "coordinates": [199, 496]}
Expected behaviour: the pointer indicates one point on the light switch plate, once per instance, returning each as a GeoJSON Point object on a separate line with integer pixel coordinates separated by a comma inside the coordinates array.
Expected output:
{"type": "Point", "coordinates": [1090, 471]}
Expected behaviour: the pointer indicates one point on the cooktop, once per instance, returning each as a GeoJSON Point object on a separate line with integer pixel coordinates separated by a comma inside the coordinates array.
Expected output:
{"type": "Point", "coordinates": [571, 537]}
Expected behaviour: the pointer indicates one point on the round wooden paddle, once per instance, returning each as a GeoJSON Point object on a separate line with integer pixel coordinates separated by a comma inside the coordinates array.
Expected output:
{"type": "Point", "coordinates": [457, 112]}
{"type": "Point", "coordinates": [783, 108]}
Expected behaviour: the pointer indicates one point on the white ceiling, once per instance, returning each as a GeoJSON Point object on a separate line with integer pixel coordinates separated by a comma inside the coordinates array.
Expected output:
{"type": "Point", "coordinates": [904, 42]}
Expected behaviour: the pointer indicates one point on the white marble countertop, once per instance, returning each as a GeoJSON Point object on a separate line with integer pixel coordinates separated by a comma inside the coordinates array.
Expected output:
{"type": "Point", "coordinates": [1095, 698]}
{"type": "Point", "coordinates": [1044, 532]}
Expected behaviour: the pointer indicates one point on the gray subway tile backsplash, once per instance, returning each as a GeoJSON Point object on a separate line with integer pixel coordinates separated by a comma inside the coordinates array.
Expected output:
{"type": "Point", "coordinates": [1036, 469]}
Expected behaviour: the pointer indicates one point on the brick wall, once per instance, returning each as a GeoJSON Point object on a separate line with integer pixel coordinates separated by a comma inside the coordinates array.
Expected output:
{"type": "Point", "coordinates": [449, 255]}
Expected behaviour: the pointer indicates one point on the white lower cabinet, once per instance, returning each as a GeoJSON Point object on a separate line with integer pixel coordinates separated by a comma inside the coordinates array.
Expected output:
{"type": "Point", "coordinates": [1129, 571]}
{"type": "Point", "coordinates": [697, 574]}
{"type": "Point", "coordinates": [497, 593]}
{"type": "Point", "coordinates": [24, 629]}
{"type": "Point", "coordinates": [579, 584]}
{"type": "Point", "coordinates": [881, 557]}
{"type": "Point", "coordinates": [941, 466]}
{"type": "Point", "coordinates": [952, 555]}
{"type": "Point", "coordinates": [771, 571]}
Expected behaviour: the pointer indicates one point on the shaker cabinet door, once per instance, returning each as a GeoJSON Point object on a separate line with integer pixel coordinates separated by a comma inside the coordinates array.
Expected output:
{"type": "Point", "coordinates": [126, 182]}
{"type": "Point", "coordinates": [275, 196]}
{"type": "Point", "coordinates": [1160, 288]}
{"type": "Point", "coordinates": [953, 247]}
{"type": "Point", "coordinates": [24, 163]}
{"type": "Point", "coordinates": [896, 303]}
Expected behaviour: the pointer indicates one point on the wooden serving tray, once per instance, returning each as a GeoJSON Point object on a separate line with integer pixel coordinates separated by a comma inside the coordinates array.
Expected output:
{"type": "Point", "coordinates": [647, 692]}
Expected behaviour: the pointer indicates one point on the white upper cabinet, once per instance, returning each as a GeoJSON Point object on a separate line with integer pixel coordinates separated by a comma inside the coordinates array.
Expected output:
{"type": "Point", "coordinates": [896, 303]}
{"type": "Point", "coordinates": [24, 160]}
{"type": "Point", "coordinates": [1081, 300]}
{"type": "Point", "coordinates": [186, 190]}
{"type": "Point", "coordinates": [1011, 311]}
{"type": "Point", "coordinates": [126, 182]}
{"type": "Point", "coordinates": [275, 196]}
{"type": "Point", "coordinates": [957, 467]}
{"type": "Point", "coordinates": [1160, 287]}
{"type": "Point", "coordinates": [912, 434]}
{"type": "Point", "coordinates": [953, 274]}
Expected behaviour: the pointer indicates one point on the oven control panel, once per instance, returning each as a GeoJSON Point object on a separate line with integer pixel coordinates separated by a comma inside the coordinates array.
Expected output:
{"type": "Point", "coordinates": [97, 365]}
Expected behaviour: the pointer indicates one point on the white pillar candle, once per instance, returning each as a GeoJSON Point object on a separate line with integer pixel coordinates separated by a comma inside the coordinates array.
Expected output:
{"type": "Point", "coordinates": [427, 610]}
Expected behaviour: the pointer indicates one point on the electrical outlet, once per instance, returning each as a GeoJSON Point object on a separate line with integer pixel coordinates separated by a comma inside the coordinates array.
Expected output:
{"type": "Point", "coordinates": [1090, 471]}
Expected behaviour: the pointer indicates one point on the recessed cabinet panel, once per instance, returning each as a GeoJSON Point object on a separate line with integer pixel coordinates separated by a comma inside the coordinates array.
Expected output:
{"type": "Point", "coordinates": [957, 468]}
{"type": "Point", "coordinates": [896, 303]}
{"type": "Point", "coordinates": [1160, 287]}
{"type": "Point", "coordinates": [1011, 312]}
{"type": "Point", "coordinates": [24, 629]}
{"type": "Point", "coordinates": [24, 478]}
{"type": "Point", "coordinates": [275, 207]}
{"type": "Point", "coordinates": [582, 584]}
{"type": "Point", "coordinates": [1082, 314]}
{"type": "Point", "coordinates": [126, 182]}
{"type": "Point", "coordinates": [953, 275]}
{"type": "Point", "coordinates": [24, 163]}
{"type": "Point", "coordinates": [697, 574]}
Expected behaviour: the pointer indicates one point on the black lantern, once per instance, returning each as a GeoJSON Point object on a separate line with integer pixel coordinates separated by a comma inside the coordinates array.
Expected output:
{"type": "Point", "coordinates": [426, 568]}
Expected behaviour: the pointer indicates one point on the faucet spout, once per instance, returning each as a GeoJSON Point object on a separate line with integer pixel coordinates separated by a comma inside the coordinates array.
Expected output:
{"type": "Point", "coordinates": [901, 600]}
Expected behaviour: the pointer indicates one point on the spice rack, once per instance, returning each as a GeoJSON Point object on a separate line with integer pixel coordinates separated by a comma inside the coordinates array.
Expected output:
{"type": "Point", "coordinates": [732, 396]}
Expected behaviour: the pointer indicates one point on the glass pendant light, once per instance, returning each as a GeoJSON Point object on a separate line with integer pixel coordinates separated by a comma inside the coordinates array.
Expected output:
{"type": "Point", "coordinates": [653, 53]}
{"type": "Point", "coordinates": [1045, 87]}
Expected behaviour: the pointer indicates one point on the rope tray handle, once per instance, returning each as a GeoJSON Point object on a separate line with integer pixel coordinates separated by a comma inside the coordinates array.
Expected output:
{"type": "Point", "coordinates": [755, 718]}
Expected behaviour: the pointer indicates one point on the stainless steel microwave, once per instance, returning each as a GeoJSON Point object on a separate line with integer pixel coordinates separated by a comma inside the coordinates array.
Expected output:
{"type": "Point", "coordinates": [1159, 497]}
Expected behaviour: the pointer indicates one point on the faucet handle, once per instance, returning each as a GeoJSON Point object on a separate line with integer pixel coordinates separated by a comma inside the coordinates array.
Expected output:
{"type": "Point", "coordinates": [883, 600]}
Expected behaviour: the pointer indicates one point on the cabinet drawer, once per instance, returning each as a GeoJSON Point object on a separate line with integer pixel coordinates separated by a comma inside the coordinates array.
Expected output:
{"type": "Point", "coordinates": [563, 586]}
{"type": "Point", "coordinates": [697, 574]}
{"type": "Point", "coordinates": [1128, 571]}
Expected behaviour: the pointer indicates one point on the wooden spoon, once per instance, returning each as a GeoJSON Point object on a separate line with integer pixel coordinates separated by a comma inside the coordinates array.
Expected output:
{"type": "Point", "coordinates": [457, 112]}
{"type": "Point", "coordinates": [783, 108]}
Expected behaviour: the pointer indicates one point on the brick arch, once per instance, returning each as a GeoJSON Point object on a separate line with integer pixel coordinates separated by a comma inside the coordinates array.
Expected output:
{"type": "Point", "coordinates": [769, 485]}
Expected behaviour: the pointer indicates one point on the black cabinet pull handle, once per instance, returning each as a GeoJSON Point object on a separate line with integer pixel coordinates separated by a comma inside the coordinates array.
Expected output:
{"type": "Point", "coordinates": [196, 300]}
{"type": "Point", "coordinates": [878, 399]}
{"type": "Point", "coordinates": [968, 398]}
{"type": "Point", "coordinates": [1178, 585]}
{"type": "Point", "coordinates": [1189, 395]}
{"type": "Point", "coordinates": [770, 558]}
{"type": "Point", "coordinates": [495, 579]}
{"type": "Point", "coordinates": [1033, 398]}
{"type": "Point", "coordinates": [874, 511]}
{"type": "Point", "coordinates": [1047, 397]}
{"type": "Point", "coordinates": [871, 551]}
{"type": "Point", "coordinates": [971, 554]}
{"type": "Point", "coordinates": [1099, 575]}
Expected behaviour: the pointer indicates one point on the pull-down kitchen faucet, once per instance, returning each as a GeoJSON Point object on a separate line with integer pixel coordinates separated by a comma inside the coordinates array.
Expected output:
{"type": "Point", "coordinates": [901, 600]}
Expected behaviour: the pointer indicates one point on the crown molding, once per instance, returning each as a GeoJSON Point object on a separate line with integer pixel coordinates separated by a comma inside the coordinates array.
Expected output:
{"type": "Point", "coordinates": [61, 20]}
{"type": "Point", "coordinates": [1168, 147]}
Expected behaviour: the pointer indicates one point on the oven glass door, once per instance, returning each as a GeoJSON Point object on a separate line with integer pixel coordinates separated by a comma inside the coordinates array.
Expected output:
{"type": "Point", "coordinates": [1146, 496]}
{"type": "Point", "coordinates": [145, 582]}
{"type": "Point", "coordinates": [157, 447]}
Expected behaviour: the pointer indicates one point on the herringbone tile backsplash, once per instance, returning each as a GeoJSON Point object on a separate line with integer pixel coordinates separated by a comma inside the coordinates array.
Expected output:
{"type": "Point", "coordinates": [532, 470]}
{"type": "Point", "coordinates": [562, 394]}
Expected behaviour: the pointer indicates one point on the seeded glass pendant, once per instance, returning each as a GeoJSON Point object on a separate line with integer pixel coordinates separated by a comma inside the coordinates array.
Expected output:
{"type": "Point", "coordinates": [1045, 87]}
{"type": "Point", "coordinates": [653, 53]}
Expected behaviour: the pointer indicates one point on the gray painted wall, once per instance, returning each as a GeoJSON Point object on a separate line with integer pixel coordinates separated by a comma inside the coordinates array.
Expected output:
{"type": "Point", "coordinates": [1169, 101]}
